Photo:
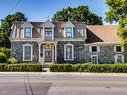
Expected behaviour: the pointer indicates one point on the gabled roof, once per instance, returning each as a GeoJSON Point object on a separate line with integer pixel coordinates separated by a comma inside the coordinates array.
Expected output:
{"type": "Point", "coordinates": [27, 24]}
{"type": "Point", "coordinates": [68, 24]}
{"type": "Point", "coordinates": [48, 24]}
{"type": "Point", "coordinates": [102, 34]}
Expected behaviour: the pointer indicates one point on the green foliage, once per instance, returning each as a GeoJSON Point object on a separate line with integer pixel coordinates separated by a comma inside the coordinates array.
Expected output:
{"type": "Point", "coordinates": [21, 67]}
{"type": "Point", "coordinates": [3, 57]}
{"type": "Point", "coordinates": [96, 68]}
{"type": "Point", "coordinates": [11, 61]}
{"type": "Point", "coordinates": [6, 51]}
{"type": "Point", "coordinates": [61, 68]}
{"type": "Point", "coordinates": [118, 13]}
{"type": "Point", "coordinates": [5, 27]}
{"type": "Point", "coordinates": [80, 13]}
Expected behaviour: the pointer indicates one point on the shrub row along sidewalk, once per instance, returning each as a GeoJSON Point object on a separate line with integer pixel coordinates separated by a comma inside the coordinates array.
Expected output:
{"type": "Point", "coordinates": [21, 67]}
{"type": "Point", "coordinates": [97, 68]}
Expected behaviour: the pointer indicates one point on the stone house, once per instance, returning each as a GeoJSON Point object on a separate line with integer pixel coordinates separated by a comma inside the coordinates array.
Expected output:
{"type": "Point", "coordinates": [65, 42]}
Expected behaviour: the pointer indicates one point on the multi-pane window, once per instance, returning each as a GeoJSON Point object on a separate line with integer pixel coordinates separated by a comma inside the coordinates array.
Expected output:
{"type": "Point", "coordinates": [27, 32]}
{"type": "Point", "coordinates": [27, 53]}
{"type": "Point", "coordinates": [118, 49]}
{"type": "Point", "coordinates": [69, 32]}
{"type": "Point", "coordinates": [94, 59]}
{"type": "Point", "coordinates": [69, 52]}
{"type": "Point", "coordinates": [94, 48]}
{"type": "Point", "coordinates": [48, 32]}
{"type": "Point", "coordinates": [119, 58]}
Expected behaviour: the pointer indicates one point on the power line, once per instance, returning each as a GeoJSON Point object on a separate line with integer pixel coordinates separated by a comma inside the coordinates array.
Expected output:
{"type": "Point", "coordinates": [14, 6]}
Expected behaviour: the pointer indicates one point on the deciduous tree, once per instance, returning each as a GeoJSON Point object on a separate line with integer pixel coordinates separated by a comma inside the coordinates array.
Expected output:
{"type": "Point", "coordinates": [80, 13]}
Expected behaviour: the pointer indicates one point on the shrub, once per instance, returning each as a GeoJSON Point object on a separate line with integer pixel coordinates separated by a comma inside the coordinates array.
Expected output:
{"type": "Point", "coordinates": [96, 68]}
{"type": "Point", "coordinates": [60, 67]}
{"type": "Point", "coordinates": [11, 61]}
{"type": "Point", "coordinates": [2, 67]}
{"type": "Point", "coordinates": [24, 67]}
{"type": "Point", "coordinates": [21, 67]}
{"type": "Point", "coordinates": [3, 57]}
{"type": "Point", "coordinates": [6, 51]}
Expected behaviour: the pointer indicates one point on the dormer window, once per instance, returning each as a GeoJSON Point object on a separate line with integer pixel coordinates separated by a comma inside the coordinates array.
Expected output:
{"type": "Point", "coordinates": [27, 29]}
{"type": "Point", "coordinates": [27, 32]}
{"type": "Point", "coordinates": [68, 30]}
{"type": "Point", "coordinates": [48, 32]}
{"type": "Point", "coordinates": [69, 33]}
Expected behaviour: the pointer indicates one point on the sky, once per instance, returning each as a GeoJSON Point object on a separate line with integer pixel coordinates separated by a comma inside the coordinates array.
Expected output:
{"type": "Point", "coordinates": [40, 10]}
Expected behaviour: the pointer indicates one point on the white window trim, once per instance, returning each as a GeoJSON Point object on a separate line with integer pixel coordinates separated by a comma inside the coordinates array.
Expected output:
{"type": "Point", "coordinates": [90, 48]}
{"type": "Point", "coordinates": [72, 52]}
{"type": "Point", "coordinates": [94, 56]}
{"type": "Point", "coordinates": [65, 28]}
{"type": "Point", "coordinates": [24, 32]}
{"type": "Point", "coordinates": [43, 32]}
{"type": "Point", "coordinates": [122, 49]}
{"type": "Point", "coordinates": [115, 57]}
{"type": "Point", "coordinates": [24, 51]}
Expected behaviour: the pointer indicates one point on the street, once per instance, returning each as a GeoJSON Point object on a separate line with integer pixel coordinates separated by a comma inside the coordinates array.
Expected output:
{"type": "Point", "coordinates": [62, 84]}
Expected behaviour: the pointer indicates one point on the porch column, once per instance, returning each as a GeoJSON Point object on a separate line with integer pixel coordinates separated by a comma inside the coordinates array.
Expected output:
{"type": "Point", "coordinates": [55, 53]}
{"type": "Point", "coordinates": [39, 53]}
{"type": "Point", "coordinates": [43, 53]}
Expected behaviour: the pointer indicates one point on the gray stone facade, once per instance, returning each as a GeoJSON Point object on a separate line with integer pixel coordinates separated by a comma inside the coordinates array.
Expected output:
{"type": "Point", "coordinates": [78, 52]}
{"type": "Point", "coordinates": [17, 50]}
{"type": "Point", "coordinates": [82, 53]}
{"type": "Point", "coordinates": [105, 55]}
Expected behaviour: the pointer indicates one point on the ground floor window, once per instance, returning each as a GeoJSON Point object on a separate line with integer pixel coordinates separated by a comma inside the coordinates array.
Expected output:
{"type": "Point", "coordinates": [119, 58]}
{"type": "Point", "coordinates": [68, 52]}
{"type": "Point", "coordinates": [27, 52]}
{"type": "Point", "coordinates": [94, 59]}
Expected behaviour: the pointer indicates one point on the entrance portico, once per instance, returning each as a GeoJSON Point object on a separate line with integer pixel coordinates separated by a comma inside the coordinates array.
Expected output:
{"type": "Point", "coordinates": [47, 53]}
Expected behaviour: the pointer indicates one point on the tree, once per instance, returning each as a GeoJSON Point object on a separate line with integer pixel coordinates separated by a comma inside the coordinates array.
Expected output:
{"type": "Point", "coordinates": [5, 27]}
{"type": "Point", "coordinates": [80, 13]}
{"type": "Point", "coordinates": [118, 13]}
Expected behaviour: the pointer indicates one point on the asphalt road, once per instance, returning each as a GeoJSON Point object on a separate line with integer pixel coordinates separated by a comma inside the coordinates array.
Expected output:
{"type": "Point", "coordinates": [62, 84]}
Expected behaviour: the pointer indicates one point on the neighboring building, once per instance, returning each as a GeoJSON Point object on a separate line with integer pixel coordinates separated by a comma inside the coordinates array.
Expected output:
{"type": "Point", "coordinates": [65, 42]}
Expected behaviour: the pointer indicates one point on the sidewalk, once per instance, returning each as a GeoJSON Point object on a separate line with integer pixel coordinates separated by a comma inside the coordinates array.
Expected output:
{"type": "Point", "coordinates": [64, 73]}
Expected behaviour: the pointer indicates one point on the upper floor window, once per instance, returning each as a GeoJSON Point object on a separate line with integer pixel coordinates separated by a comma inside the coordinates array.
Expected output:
{"type": "Point", "coordinates": [69, 32]}
{"type": "Point", "coordinates": [119, 49]}
{"type": "Point", "coordinates": [94, 48]}
{"type": "Point", "coordinates": [48, 32]}
{"type": "Point", "coordinates": [27, 32]}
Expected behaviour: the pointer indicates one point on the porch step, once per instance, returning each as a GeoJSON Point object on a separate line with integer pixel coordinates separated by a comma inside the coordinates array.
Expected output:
{"type": "Point", "coordinates": [47, 69]}
{"type": "Point", "coordinates": [46, 65]}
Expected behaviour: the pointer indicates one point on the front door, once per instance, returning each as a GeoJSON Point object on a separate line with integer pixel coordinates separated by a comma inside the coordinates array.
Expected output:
{"type": "Point", "coordinates": [48, 56]}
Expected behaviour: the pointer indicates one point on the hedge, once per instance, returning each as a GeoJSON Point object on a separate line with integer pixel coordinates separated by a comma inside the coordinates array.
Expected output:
{"type": "Point", "coordinates": [96, 68]}
{"type": "Point", "coordinates": [21, 67]}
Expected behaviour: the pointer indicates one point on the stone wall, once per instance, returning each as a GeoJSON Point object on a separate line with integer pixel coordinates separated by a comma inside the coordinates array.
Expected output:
{"type": "Point", "coordinates": [78, 52]}
{"type": "Point", "coordinates": [105, 55]}
{"type": "Point", "coordinates": [81, 52]}
{"type": "Point", "coordinates": [17, 50]}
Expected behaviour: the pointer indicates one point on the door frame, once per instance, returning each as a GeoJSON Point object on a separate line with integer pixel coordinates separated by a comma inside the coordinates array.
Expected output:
{"type": "Point", "coordinates": [51, 49]}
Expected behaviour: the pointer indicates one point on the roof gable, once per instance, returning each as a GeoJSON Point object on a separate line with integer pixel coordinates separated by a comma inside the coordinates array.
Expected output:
{"type": "Point", "coordinates": [68, 24]}
{"type": "Point", "coordinates": [48, 24]}
{"type": "Point", "coordinates": [27, 24]}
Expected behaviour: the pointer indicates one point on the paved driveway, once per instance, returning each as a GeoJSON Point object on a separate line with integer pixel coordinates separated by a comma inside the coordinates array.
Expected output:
{"type": "Point", "coordinates": [62, 84]}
